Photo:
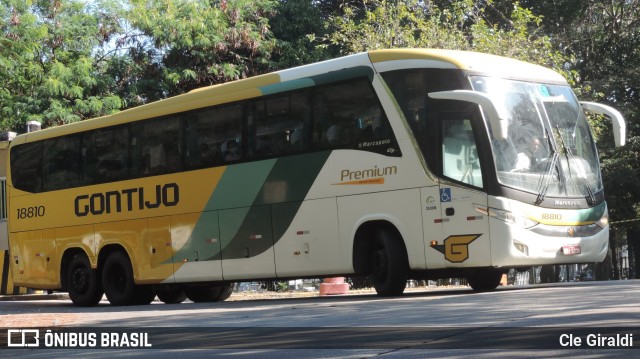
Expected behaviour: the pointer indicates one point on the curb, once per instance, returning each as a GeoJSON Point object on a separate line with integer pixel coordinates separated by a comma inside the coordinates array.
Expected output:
{"type": "Point", "coordinates": [26, 297]}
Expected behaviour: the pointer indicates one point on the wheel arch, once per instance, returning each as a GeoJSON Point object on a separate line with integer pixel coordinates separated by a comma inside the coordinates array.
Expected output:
{"type": "Point", "coordinates": [363, 245]}
{"type": "Point", "coordinates": [65, 260]}
{"type": "Point", "coordinates": [108, 249]}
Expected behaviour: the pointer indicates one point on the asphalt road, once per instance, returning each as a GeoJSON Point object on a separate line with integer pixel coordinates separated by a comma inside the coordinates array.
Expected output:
{"type": "Point", "coordinates": [589, 319]}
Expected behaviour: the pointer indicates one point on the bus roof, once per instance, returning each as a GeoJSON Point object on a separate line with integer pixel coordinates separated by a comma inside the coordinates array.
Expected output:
{"type": "Point", "coordinates": [475, 62]}
{"type": "Point", "coordinates": [303, 76]}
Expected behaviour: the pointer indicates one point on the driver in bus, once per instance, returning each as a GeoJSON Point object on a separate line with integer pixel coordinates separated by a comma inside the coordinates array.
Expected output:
{"type": "Point", "coordinates": [528, 158]}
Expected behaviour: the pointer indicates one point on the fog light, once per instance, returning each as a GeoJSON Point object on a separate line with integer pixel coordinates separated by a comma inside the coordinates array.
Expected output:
{"type": "Point", "coordinates": [522, 248]}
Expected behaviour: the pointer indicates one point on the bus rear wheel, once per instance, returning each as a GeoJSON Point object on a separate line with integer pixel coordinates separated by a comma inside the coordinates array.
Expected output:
{"type": "Point", "coordinates": [389, 265]}
{"type": "Point", "coordinates": [117, 279]}
{"type": "Point", "coordinates": [143, 294]}
{"type": "Point", "coordinates": [171, 296]}
{"type": "Point", "coordinates": [83, 283]}
{"type": "Point", "coordinates": [485, 280]}
{"type": "Point", "coordinates": [225, 292]}
{"type": "Point", "coordinates": [201, 294]}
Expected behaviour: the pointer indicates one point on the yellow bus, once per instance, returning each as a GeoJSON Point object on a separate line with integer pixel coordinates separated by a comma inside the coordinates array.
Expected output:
{"type": "Point", "coordinates": [398, 164]}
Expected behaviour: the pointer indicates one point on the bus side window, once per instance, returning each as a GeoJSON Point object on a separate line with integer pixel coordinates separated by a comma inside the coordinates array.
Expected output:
{"type": "Point", "coordinates": [104, 155]}
{"type": "Point", "coordinates": [26, 167]}
{"type": "Point", "coordinates": [228, 131]}
{"type": "Point", "coordinates": [202, 148]}
{"type": "Point", "coordinates": [61, 168]}
{"type": "Point", "coordinates": [155, 147]}
{"type": "Point", "coordinates": [460, 159]}
{"type": "Point", "coordinates": [280, 123]}
{"type": "Point", "coordinates": [348, 114]}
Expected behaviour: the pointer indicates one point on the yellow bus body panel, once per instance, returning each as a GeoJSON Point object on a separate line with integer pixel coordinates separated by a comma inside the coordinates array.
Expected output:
{"type": "Point", "coordinates": [146, 234]}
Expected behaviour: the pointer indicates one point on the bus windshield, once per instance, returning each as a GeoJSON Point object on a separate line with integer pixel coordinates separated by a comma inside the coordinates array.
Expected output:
{"type": "Point", "coordinates": [549, 150]}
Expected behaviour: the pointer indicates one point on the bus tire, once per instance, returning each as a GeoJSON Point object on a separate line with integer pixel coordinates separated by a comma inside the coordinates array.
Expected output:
{"type": "Point", "coordinates": [485, 280]}
{"type": "Point", "coordinates": [117, 279]}
{"type": "Point", "coordinates": [389, 265]}
{"type": "Point", "coordinates": [202, 294]}
{"type": "Point", "coordinates": [143, 295]}
{"type": "Point", "coordinates": [171, 296]}
{"type": "Point", "coordinates": [225, 292]}
{"type": "Point", "coordinates": [83, 283]}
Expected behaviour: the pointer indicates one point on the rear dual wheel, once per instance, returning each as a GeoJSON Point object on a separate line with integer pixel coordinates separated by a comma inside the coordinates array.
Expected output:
{"type": "Point", "coordinates": [83, 283]}
{"type": "Point", "coordinates": [171, 295]}
{"type": "Point", "coordinates": [200, 294]}
{"type": "Point", "coordinates": [118, 283]}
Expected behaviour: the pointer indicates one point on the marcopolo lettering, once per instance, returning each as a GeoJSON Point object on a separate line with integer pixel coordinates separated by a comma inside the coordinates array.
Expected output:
{"type": "Point", "coordinates": [129, 199]}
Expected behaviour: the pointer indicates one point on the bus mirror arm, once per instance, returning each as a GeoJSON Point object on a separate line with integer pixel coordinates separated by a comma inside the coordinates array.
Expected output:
{"type": "Point", "coordinates": [619, 126]}
{"type": "Point", "coordinates": [499, 123]}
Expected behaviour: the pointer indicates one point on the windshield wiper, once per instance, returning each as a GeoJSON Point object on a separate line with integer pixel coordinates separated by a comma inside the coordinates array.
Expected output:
{"type": "Point", "coordinates": [545, 180]}
{"type": "Point", "coordinates": [590, 197]}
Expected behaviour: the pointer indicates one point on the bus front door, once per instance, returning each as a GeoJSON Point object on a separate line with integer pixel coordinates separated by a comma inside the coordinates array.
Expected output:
{"type": "Point", "coordinates": [466, 241]}
{"type": "Point", "coordinates": [465, 230]}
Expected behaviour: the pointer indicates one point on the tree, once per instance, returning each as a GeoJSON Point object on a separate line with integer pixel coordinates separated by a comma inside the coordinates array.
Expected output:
{"type": "Point", "coordinates": [457, 24]}
{"type": "Point", "coordinates": [291, 26]}
{"type": "Point", "coordinates": [185, 44]}
{"type": "Point", "coordinates": [603, 38]}
{"type": "Point", "coordinates": [46, 64]}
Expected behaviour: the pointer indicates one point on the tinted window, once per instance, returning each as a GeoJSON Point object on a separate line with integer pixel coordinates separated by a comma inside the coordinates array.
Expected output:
{"type": "Point", "coordinates": [155, 147]}
{"type": "Point", "coordinates": [105, 155]}
{"type": "Point", "coordinates": [280, 124]}
{"type": "Point", "coordinates": [344, 115]}
{"type": "Point", "coordinates": [61, 165]}
{"type": "Point", "coordinates": [214, 136]}
{"type": "Point", "coordinates": [410, 89]}
{"type": "Point", "coordinates": [349, 115]}
{"type": "Point", "coordinates": [26, 162]}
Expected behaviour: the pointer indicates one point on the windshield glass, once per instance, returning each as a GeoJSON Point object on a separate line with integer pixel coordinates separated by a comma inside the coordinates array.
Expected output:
{"type": "Point", "coordinates": [549, 150]}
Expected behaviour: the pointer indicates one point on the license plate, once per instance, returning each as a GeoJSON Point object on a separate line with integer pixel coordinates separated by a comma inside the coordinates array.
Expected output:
{"type": "Point", "coordinates": [571, 249]}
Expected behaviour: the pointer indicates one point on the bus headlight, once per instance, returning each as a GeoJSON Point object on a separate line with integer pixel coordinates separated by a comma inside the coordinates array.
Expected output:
{"type": "Point", "coordinates": [604, 221]}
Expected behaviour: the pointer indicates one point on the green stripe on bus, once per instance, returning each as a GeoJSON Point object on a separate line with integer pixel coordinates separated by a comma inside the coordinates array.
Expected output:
{"type": "Point", "coordinates": [246, 231]}
{"type": "Point", "coordinates": [345, 74]}
{"type": "Point", "coordinates": [287, 86]}
{"type": "Point", "coordinates": [291, 178]}
{"type": "Point", "coordinates": [237, 189]}
{"type": "Point", "coordinates": [587, 215]}
{"type": "Point", "coordinates": [240, 185]}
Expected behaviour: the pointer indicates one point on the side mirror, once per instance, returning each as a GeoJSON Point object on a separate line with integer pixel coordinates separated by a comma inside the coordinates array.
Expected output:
{"type": "Point", "coordinates": [619, 127]}
{"type": "Point", "coordinates": [497, 118]}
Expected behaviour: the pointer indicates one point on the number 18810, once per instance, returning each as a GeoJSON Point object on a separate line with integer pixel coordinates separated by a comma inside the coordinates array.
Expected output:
{"type": "Point", "coordinates": [31, 212]}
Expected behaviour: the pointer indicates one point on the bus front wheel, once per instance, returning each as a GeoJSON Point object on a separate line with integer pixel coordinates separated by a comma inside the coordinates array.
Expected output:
{"type": "Point", "coordinates": [485, 280]}
{"type": "Point", "coordinates": [389, 265]}
{"type": "Point", "coordinates": [83, 283]}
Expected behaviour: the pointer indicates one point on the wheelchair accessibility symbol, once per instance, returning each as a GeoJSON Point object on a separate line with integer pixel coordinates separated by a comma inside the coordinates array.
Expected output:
{"type": "Point", "coordinates": [445, 194]}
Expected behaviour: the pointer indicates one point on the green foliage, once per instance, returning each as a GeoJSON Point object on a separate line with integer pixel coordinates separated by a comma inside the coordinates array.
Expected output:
{"type": "Point", "coordinates": [46, 64]}
{"type": "Point", "coordinates": [194, 43]}
{"type": "Point", "coordinates": [383, 24]}
{"type": "Point", "coordinates": [291, 25]}
{"type": "Point", "coordinates": [459, 24]}
{"type": "Point", "coordinates": [603, 39]}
